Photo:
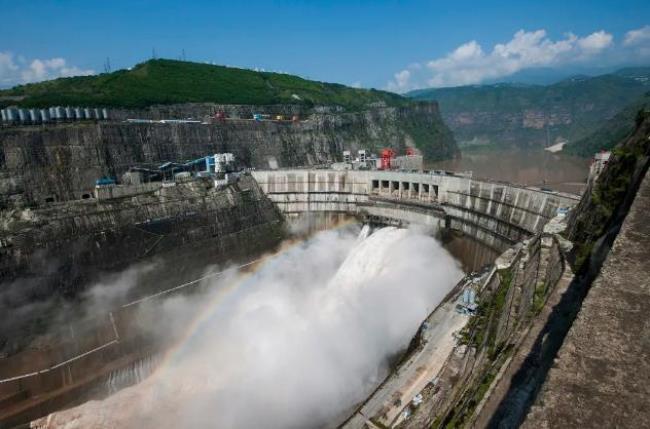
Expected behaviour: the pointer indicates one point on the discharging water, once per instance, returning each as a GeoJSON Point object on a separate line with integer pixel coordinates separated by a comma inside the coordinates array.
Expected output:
{"type": "Point", "coordinates": [293, 344]}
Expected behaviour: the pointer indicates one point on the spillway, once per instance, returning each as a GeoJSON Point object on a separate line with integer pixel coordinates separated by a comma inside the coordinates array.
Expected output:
{"type": "Point", "coordinates": [294, 343]}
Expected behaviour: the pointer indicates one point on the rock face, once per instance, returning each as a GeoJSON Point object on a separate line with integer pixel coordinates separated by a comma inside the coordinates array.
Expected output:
{"type": "Point", "coordinates": [62, 162]}
{"type": "Point", "coordinates": [601, 374]}
{"type": "Point", "coordinates": [60, 250]}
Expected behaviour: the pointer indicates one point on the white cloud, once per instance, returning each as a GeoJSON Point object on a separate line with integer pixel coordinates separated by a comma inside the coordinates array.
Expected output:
{"type": "Point", "coordinates": [8, 69]}
{"type": "Point", "coordinates": [14, 71]}
{"type": "Point", "coordinates": [401, 82]}
{"type": "Point", "coordinates": [637, 37]}
{"type": "Point", "coordinates": [470, 63]}
{"type": "Point", "coordinates": [596, 41]}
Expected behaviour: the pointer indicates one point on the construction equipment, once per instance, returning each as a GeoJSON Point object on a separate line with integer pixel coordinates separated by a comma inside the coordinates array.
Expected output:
{"type": "Point", "coordinates": [386, 155]}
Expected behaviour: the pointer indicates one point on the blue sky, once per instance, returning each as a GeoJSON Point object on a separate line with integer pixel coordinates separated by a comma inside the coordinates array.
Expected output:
{"type": "Point", "coordinates": [373, 44]}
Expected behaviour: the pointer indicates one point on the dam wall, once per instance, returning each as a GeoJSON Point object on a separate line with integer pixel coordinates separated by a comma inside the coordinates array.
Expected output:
{"type": "Point", "coordinates": [496, 214]}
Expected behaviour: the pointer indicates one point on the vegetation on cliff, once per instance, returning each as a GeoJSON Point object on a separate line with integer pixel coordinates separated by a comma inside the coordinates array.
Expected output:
{"type": "Point", "coordinates": [515, 114]}
{"type": "Point", "coordinates": [606, 202]}
{"type": "Point", "coordinates": [612, 131]}
{"type": "Point", "coordinates": [169, 81]}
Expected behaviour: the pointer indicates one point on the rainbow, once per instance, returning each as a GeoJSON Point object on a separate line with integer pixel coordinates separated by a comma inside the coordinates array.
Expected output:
{"type": "Point", "coordinates": [176, 352]}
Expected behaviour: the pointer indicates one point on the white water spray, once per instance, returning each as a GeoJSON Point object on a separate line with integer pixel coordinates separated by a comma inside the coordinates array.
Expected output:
{"type": "Point", "coordinates": [296, 344]}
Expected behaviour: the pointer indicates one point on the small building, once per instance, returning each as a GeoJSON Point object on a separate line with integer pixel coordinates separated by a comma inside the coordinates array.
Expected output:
{"type": "Point", "coordinates": [363, 156]}
{"type": "Point", "coordinates": [598, 164]}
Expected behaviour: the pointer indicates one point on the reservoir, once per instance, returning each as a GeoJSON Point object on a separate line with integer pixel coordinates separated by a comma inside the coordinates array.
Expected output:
{"type": "Point", "coordinates": [556, 171]}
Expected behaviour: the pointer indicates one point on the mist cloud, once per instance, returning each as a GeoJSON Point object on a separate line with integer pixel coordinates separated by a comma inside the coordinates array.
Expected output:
{"type": "Point", "coordinates": [296, 344]}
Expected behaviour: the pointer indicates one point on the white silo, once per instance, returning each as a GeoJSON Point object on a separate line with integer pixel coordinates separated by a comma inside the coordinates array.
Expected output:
{"type": "Point", "coordinates": [104, 113]}
{"type": "Point", "coordinates": [23, 115]}
{"type": "Point", "coordinates": [69, 114]}
{"type": "Point", "coordinates": [34, 116]}
{"type": "Point", "coordinates": [88, 113]}
{"type": "Point", "coordinates": [12, 114]}
{"type": "Point", "coordinates": [3, 115]}
{"type": "Point", "coordinates": [98, 113]}
{"type": "Point", "coordinates": [59, 113]}
{"type": "Point", "coordinates": [52, 113]}
{"type": "Point", "coordinates": [79, 113]}
{"type": "Point", "coordinates": [45, 115]}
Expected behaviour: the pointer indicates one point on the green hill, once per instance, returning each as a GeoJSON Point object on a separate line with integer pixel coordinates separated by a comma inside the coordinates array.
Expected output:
{"type": "Point", "coordinates": [612, 131]}
{"type": "Point", "coordinates": [169, 81]}
{"type": "Point", "coordinates": [520, 115]}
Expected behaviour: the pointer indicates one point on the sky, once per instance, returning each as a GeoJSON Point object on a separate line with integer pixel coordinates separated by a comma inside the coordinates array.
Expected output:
{"type": "Point", "coordinates": [394, 45]}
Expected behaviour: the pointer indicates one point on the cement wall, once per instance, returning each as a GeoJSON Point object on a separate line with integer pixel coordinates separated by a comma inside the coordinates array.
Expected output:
{"type": "Point", "coordinates": [497, 214]}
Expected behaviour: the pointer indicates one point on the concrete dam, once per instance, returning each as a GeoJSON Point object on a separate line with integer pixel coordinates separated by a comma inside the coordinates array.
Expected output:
{"type": "Point", "coordinates": [486, 218]}
{"type": "Point", "coordinates": [497, 215]}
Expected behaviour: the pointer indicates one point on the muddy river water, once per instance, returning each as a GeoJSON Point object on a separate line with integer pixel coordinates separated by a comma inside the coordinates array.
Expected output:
{"type": "Point", "coordinates": [533, 168]}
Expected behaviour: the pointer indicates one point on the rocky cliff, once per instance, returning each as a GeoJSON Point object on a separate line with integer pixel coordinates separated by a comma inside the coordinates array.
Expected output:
{"type": "Point", "coordinates": [57, 251]}
{"type": "Point", "coordinates": [62, 162]}
{"type": "Point", "coordinates": [602, 364]}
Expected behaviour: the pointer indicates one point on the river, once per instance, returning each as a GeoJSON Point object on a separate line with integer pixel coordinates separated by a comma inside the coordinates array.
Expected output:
{"type": "Point", "coordinates": [533, 168]}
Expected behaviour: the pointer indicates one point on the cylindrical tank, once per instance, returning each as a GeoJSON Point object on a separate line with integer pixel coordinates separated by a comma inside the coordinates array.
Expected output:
{"type": "Point", "coordinates": [104, 113]}
{"type": "Point", "coordinates": [23, 115]}
{"type": "Point", "coordinates": [69, 114]}
{"type": "Point", "coordinates": [52, 111]}
{"type": "Point", "coordinates": [34, 115]}
{"type": "Point", "coordinates": [45, 115]}
{"type": "Point", "coordinates": [88, 113]}
{"type": "Point", "coordinates": [98, 113]}
{"type": "Point", "coordinates": [3, 115]}
{"type": "Point", "coordinates": [12, 114]}
{"type": "Point", "coordinates": [79, 113]}
{"type": "Point", "coordinates": [60, 113]}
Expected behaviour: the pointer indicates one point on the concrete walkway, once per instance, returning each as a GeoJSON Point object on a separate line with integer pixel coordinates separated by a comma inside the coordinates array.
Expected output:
{"type": "Point", "coordinates": [386, 404]}
{"type": "Point", "coordinates": [601, 376]}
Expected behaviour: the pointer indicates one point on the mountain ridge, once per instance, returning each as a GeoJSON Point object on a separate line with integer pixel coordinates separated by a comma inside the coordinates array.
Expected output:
{"type": "Point", "coordinates": [163, 81]}
{"type": "Point", "coordinates": [533, 116]}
